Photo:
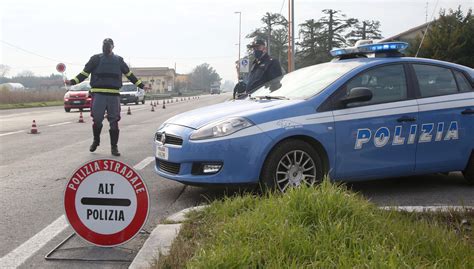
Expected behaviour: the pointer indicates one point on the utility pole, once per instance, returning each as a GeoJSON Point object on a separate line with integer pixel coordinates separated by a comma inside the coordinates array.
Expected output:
{"type": "Point", "coordinates": [426, 12]}
{"type": "Point", "coordinates": [291, 36]}
{"type": "Point", "coordinates": [240, 27]}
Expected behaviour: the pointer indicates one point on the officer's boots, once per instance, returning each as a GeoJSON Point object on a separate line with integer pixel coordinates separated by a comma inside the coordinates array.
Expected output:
{"type": "Point", "coordinates": [96, 131]}
{"type": "Point", "coordinates": [114, 136]}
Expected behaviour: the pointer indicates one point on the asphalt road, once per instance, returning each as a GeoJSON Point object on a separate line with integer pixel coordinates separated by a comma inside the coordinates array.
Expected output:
{"type": "Point", "coordinates": [34, 169]}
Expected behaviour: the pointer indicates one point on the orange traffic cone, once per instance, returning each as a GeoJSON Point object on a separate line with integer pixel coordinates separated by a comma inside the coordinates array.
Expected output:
{"type": "Point", "coordinates": [81, 119]}
{"type": "Point", "coordinates": [129, 112]}
{"type": "Point", "coordinates": [34, 129]}
{"type": "Point", "coordinates": [152, 108]}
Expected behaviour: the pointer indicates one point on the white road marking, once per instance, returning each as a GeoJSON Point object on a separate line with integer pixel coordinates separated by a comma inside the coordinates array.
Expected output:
{"type": "Point", "coordinates": [144, 163]}
{"type": "Point", "coordinates": [59, 124]}
{"type": "Point", "coordinates": [15, 132]}
{"type": "Point", "coordinates": [19, 255]}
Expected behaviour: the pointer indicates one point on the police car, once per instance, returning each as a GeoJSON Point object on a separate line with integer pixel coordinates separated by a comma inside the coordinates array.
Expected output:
{"type": "Point", "coordinates": [369, 113]}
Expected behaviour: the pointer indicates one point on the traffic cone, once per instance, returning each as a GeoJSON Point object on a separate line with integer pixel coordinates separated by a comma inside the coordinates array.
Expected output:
{"type": "Point", "coordinates": [129, 112]}
{"type": "Point", "coordinates": [81, 119]}
{"type": "Point", "coordinates": [34, 129]}
{"type": "Point", "coordinates": [152, 108]}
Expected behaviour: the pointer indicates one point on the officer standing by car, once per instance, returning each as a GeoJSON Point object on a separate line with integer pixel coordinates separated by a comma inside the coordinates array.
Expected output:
{"type": "Point", "coordinates": [106, 80]}
{"type": "Point", "coordinates": [239, 88]}
{"type": "Point", "coordinates": [264, 67]}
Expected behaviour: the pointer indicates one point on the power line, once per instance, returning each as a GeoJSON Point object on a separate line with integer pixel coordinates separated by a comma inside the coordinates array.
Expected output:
{"type": "Point", "coordinates": [282, 5]}
{"type": "Point", "coordinates": [183, 58]}
{"type": "Point", "coordinates": [34, 53]}
{"type": "Point", "coordinates": [427, 28]}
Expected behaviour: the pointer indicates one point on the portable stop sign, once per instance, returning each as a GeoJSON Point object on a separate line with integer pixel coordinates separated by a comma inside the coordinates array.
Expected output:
{"type": "Point", "coordinates": [60, 67]}
{"type": "Point", "coordinates": [106, 202]}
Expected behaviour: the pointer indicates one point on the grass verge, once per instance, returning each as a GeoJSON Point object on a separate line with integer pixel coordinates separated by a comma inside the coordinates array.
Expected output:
{"type": "Point", "coordinates": [322, 227]}
{"type": "Point", "coordinates": [32, 104]}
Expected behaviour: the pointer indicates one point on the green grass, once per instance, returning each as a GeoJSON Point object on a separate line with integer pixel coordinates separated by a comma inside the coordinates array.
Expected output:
{"type": "Point", "coordinates": [322, 227]}
{"type": "Point", "coordinates": [32, 104]}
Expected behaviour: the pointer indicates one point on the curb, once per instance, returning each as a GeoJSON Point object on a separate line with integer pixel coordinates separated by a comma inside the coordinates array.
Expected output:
{"type": "Point", "coordinates": [427, 208]}
{"type": "Point", "coordinates": [160, 239]}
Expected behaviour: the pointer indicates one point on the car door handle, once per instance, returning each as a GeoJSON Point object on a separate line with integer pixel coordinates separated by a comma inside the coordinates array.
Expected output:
{"type": "Point", "coordinates": [406, 119]}
{"type": "Point", "coordinates": [467, 111]}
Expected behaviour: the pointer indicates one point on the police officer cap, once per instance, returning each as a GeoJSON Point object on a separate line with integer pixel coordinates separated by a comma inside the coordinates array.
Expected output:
{"type": "Point", "coordinates": [108, 41]}
{"type": "Point", "coordinates": [257, 43]}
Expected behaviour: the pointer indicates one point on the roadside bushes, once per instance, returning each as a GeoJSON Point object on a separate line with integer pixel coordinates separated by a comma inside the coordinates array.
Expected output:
{"type": "Point", "coordinates": [29, 96]}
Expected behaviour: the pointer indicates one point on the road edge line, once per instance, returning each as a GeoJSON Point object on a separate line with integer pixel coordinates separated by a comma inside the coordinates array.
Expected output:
{"type": "Point", "coordinates": [19, 255]}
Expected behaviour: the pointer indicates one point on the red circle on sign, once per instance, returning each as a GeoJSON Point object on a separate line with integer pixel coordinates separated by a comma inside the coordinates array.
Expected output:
{"type": "Point", "coordinates": [82, 175]}
{"type": "Point", "coordinates": [60, 67]}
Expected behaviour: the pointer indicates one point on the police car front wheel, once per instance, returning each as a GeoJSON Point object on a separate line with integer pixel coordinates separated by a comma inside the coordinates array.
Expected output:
{"type": "Point", "coordinates": [290, 164]}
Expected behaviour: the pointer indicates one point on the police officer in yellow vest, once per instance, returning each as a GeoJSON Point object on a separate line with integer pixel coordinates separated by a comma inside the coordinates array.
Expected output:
{"type": "Point", "coordinates": [106, 80]}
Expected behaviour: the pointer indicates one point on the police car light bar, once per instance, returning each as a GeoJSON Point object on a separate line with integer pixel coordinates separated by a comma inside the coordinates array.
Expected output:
{"type": "Point", "coordinates": [371, 48]}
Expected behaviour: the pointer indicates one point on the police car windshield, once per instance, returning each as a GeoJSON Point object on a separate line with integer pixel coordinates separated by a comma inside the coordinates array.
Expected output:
{"type": "Point", "coordinates": [128, 88]}
{"type": "Point", "coordinates": [85, 86]}
{"type": "Point", "coordinates": [305, 82]}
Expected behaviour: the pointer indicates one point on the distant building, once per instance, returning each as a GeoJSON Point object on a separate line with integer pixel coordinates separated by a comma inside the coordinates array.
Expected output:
{"type": "Point", "coordinates": [13, 86]}
{"type": "Point", "coordinates": [156, 79]}
{"type": "Point", "coordinates": [408, 35]}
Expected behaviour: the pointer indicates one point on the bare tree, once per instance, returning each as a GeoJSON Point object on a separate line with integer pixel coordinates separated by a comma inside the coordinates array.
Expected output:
{"type": "Point", "coordinates": [4, 69]}
{"type": "Point", "coordinates": [334, 25]}
{"type": "Point", "coordinates": [364, 30]}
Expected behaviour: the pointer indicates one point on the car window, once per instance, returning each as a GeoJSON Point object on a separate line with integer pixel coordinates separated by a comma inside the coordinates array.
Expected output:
{"type": "Point", "coordinates": [463, 84]}
{"type": "Point", "coordinates": [435, 80]}
{"type": "Point", "coordinates": [306, 82]}
{"type": "Point", "coordinates": [387, 84]}
{"type": "Point", "coordinates": [128, 88]}
{"type": "Point", "coordinates": [84, 86]}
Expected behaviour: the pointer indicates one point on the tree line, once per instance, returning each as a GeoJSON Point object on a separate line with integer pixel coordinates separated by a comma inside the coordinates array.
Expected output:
{"type": "Point", "coordinates": [315, 37]}
{"type": "Point", "coordinates": [450, 37]}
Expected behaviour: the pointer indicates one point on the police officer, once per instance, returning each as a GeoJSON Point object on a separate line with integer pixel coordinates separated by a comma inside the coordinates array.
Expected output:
{"type": "Point", "coordinates": [106, 80]}
{"type": "Point", "coordinates": [239, 88]}
{"type": "Point", "coordinates": [264, 68]}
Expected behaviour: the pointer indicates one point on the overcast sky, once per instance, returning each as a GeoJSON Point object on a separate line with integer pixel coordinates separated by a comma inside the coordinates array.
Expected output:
{"type": "Point", "coordinates": [165, 33]}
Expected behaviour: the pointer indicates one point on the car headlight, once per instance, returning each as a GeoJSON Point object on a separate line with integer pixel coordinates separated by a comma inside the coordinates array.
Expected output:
{"type": "Point", "coordinates": [221, 128]}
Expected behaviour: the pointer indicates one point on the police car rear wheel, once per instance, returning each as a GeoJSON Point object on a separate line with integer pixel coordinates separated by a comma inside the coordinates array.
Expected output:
{"type": "Point", "coordinates": [469, 172]}
{"type": "Point", "coordinates": [292, 164]}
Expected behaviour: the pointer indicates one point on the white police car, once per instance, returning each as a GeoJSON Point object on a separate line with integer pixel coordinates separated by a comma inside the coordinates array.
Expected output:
{"type": "Point", "coordinates": [352, 118]}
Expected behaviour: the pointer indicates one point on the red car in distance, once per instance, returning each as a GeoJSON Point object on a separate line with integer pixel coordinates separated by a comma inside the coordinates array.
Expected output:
{"type": "Point", "coordinates": [78, 96]}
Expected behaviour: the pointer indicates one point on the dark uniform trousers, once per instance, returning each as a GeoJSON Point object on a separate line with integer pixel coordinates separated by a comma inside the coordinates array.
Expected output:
{"type": "Point", "coordinates": [102, 103]}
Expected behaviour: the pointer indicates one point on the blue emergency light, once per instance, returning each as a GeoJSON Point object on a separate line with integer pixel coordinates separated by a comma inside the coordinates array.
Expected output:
{"type": "Point", "coordinates": [371, 48]}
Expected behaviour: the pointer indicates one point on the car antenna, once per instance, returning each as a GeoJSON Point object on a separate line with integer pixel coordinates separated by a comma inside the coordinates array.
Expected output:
{"type": "Point", "coordinates": [427, 28]}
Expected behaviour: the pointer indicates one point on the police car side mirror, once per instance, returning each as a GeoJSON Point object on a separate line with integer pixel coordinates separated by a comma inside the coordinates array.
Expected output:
{"type": "Point", "coordinates": [358, 94]}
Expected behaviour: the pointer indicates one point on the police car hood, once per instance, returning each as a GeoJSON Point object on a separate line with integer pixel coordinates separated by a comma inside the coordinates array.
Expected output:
{"type": "Point", "coordinates": [240, 108]}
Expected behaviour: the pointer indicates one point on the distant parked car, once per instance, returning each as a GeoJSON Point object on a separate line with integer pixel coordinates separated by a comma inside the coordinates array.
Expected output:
{"type": "Point", "coordinates": [78, 96]}
{"type": "Point", "coordinates": [130, 93]}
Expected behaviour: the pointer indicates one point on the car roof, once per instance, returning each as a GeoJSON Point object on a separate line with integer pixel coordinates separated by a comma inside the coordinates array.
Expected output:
{"type": "Point", "coordinates": [381, 60]}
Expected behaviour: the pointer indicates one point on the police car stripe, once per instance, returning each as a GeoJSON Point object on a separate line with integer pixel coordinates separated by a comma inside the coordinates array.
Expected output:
{"type": "Point", "coordinates": [378, 107]}
{"type": "Point", "coordinates": [446, 105]}
{"type": "Point", "coordinates": [410, 106]}
{"type": "Point", "coordinates": [377, 113]}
